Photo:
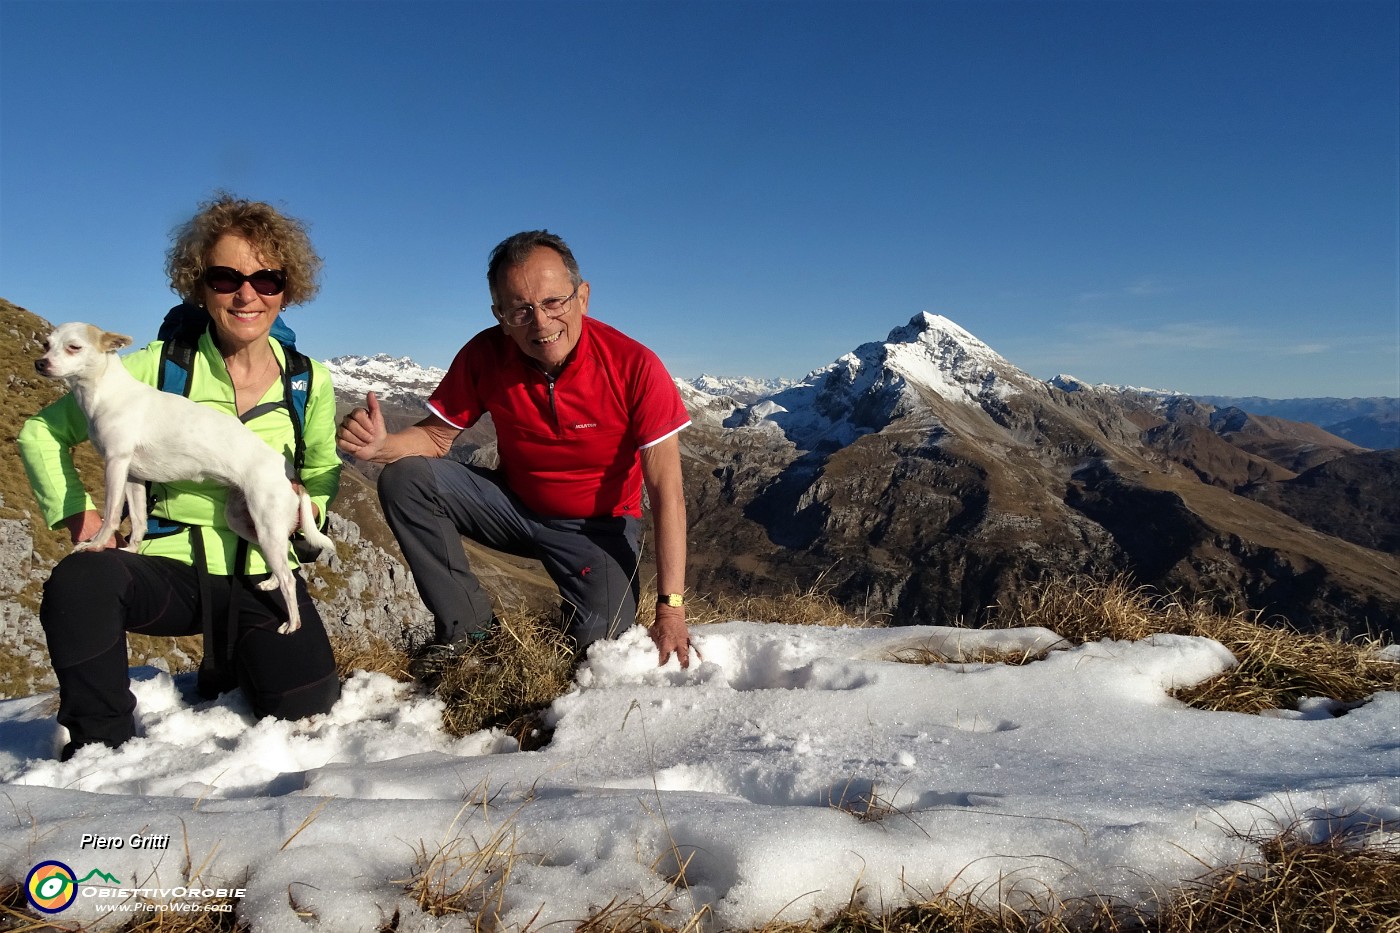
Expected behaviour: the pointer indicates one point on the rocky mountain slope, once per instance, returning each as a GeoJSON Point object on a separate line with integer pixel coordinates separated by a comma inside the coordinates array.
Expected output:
{"type": "Point", "coordinates": [926, 477]}
{"type": "Point", "coordinates": [1355, 498]}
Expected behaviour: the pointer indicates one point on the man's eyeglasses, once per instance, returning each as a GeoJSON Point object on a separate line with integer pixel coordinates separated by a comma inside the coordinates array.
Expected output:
{"type": "Point", "coordinates": [226, 281]}
{"type": "Point", "coordinates": [552, 308]}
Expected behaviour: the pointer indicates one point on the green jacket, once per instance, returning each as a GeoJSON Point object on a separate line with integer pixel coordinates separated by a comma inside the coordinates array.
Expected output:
{"type": "Point", "coordinates": [46, 441]}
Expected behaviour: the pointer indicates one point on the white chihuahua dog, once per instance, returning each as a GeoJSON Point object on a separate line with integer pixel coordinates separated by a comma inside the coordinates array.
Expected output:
{"type": "Point", "coordinates": [145, 434]}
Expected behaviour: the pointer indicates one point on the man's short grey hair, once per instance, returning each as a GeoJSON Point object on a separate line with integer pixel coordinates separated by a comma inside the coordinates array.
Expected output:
{"type": "Point", "coordinates": [514, 250]}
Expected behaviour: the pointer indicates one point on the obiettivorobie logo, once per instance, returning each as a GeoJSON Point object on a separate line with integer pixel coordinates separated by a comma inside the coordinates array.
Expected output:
{"type": "Point", "coordinates": [53, 887]}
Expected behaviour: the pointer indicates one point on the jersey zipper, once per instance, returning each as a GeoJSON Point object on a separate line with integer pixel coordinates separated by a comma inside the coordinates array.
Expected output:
{"type": "Point", "coordinates": [553, 409]}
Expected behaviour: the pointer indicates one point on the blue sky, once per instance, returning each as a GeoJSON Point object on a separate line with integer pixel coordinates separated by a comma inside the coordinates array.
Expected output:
{"type": "Point", "coordinates": [1196, 196]}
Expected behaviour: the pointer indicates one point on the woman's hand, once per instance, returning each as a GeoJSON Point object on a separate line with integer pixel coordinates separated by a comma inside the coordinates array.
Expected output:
{"type": "Point", "coordinates": [83, 526]}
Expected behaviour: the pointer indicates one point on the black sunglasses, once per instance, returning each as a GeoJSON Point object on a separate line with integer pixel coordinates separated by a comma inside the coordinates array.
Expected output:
{"type": "Point", "coordinates": [226, 281]}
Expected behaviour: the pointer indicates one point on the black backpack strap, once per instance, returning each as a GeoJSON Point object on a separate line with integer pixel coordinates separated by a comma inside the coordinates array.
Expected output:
{"type": "Point", "coordinates": [213, 673]}
{"type": "Point", "coordinates": [296, 390]}
{"type": "Point", "coordinates": [217, 672]}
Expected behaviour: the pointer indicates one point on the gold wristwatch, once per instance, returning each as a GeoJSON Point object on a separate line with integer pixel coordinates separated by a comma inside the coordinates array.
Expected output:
{"type": "Point", "coordinates": [674, 600]}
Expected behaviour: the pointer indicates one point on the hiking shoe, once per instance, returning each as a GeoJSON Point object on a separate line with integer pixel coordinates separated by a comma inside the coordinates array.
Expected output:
{"type": "Point", "coordinates": [428, 663]}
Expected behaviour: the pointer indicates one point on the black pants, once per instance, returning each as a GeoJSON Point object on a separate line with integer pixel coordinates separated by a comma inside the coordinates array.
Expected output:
{"type": "Point", "coordinates": [93, 598]}
{"type": "Point", "coordinates": [431, 504]}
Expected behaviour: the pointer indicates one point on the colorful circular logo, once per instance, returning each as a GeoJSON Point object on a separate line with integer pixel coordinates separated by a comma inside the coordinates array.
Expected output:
{"type": "Point", "coordinates": [51, 887]}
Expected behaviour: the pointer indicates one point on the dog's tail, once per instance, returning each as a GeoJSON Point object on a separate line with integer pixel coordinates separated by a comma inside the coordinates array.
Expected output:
{"type": "Point", "coordinates": [313, 535]}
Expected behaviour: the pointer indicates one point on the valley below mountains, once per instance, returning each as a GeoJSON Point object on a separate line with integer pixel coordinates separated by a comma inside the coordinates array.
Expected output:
{"type": "Point", "coordinates": [921, 478]}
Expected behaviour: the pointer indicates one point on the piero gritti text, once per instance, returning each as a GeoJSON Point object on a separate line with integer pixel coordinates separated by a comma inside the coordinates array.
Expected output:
{"type": "Point", "coordinates": [134, 841]}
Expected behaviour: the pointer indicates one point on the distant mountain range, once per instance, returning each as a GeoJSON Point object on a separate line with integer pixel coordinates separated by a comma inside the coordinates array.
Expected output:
{"type": "Point", "coordinates": [927, 477]}
{"type": "Point", "coordinates": [397, 381]}
{"type": "Point", "coordinates": [1367, 422]}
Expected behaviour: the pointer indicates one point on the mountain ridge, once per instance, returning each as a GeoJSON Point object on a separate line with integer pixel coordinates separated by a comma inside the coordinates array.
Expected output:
{"type": "Point", "coordinates": [1360, 418]}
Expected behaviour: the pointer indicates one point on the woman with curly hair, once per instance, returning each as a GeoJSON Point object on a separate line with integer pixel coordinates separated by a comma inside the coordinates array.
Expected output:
{"type": "Point", "coordinates": [243, 263]}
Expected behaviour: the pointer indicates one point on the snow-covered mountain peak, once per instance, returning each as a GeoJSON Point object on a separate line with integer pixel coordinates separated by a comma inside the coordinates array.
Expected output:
{"type": "Point", "coordinates": [935, 352]}
{"type": "Point", "coordinates": [936, 330]}
{"type": "Point", "coordinates": [921, 366]}
{"type": "Point", "coordinates": [398, 379]}
{"type": "Point", "coordinates": [1067, 383]}
{"type": "Point", "coordinates": [929, 354]}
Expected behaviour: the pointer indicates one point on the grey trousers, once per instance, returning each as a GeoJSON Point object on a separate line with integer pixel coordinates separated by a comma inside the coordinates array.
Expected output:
{"type": "Point", "coordinates": [432, 503]}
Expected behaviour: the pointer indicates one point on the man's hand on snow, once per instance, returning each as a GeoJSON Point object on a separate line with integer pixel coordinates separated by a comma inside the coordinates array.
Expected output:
{"type": "Point", "coordinates": [671, 635]}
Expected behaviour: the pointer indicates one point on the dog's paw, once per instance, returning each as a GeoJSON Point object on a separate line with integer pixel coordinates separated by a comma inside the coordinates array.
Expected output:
{"type": "Point", "coordinates": [268, 585]}
{"type": "Point", "coordinates": [287, 628]}
{"type": "Point", "coordinates": [82, 546]}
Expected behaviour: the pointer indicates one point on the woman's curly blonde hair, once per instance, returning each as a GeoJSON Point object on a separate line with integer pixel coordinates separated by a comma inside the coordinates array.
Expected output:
{"type": "Point", "coordinates": [281, 240]}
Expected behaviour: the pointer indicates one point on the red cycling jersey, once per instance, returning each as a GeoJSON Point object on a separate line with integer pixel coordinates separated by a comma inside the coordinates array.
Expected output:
{"type": "Point", "coordinates": [569, 445]}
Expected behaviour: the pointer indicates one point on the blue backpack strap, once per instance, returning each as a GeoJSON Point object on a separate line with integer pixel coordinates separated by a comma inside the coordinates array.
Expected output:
{"type": "Point", "coordinates": [296, 383]}
{"type": "Point", "coordinates": [296, 390]}
{"type": "Point", "coordinates": [180, 332]}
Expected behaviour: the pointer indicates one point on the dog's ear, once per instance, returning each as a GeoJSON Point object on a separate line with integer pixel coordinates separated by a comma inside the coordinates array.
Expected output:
{"type": "Point", "coordinates": [110, 342]}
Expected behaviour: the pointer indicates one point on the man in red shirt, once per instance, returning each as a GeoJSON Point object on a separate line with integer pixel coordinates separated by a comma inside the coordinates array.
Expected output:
{"type": "Point", "coordinates": [585, 417]}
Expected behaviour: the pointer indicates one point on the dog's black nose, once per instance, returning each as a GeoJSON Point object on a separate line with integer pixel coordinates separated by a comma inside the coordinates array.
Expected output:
{"type": "Point", "coordinates": [39, 365]}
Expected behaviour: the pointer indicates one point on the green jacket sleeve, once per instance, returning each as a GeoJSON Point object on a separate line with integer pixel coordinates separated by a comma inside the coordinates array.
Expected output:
{"type": "Point", "coordinates": [46, 445]}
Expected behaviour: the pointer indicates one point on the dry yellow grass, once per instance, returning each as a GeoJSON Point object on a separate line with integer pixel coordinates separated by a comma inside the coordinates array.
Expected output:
{"type": "Point", "coordinates": [1300, 885]}
{"type": "Point", "coordinates": [464, 875]}
{"type": "Point", "coordinates": [375, 654]}
{"type": "Point", "coordinates": [1296, 887]}
{"type": "Point", "coordinates": [508, 679]}
{"type": "Point", "coordinates": [813, 606]}
{"type": "Point", "coordinates": [1277, 665]}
